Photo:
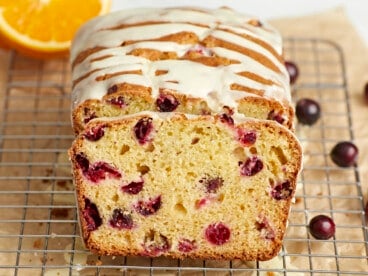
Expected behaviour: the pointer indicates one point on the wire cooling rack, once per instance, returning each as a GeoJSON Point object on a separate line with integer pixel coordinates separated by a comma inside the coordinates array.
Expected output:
{"type": "Point", "coordinates": [39, 233]}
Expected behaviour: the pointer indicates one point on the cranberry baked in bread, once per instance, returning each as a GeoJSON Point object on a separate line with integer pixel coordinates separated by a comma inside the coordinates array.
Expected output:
{"type": "Point", "coordinates": [198, 186]}
{"type": "Point", "coordinates": [188, 60]}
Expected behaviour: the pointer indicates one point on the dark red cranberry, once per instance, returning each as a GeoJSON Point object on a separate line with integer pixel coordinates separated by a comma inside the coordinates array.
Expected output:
{"type": "Point", "coordinates": [247, 137]}
{"type": "Point", "coordinates": [217, 233]}
{"type": "Point", "coordinates": [212, 184]}
{"type": "Point", "coordinates": [95, 133]}
{"type": "Point", "coordinates": [227, 119]}
{"type": "Point", "coordinates": [186, 245]}
{"type": "Point", "coordinates": [307, 111]}
{"type": "Point", "coordinates": [366, 93]}
{"type": "Point", "coordinates": [201, 49]}
{"type": "Point", "coordinates": [82, 162]}
{"type": "Point", "coordinates": [344, 154]}
{"type": "Point", "coordinates": [100, 170]}
{"type": "Point", "coordinates": [133, 187]}
{"type": "Point", "coordinates": [366, 212]}
{"type": "Point", "coordinates": [272, 115]}
{"type": "Point", "coordinates": [282, 191]}
{"type": "Point", "coordinates": [90, 117]}
{"type": "Point", "coordinates": [293, 71]}
{"type": "Point", "coordinates": [149, 207]}
{"type": "Point", "coordinates": [251, 166]}
{"type": "Point", "coordinates": [166, 103]}
{"type": "Point", "coordinates": [155, 244]}
{"type": "Point", "coordinates": [112, 89]}
{"type": "Point", "coordinates": [119, 101]}
{"type": "Point", "coordinates": [265, 228]}
{"type": "Point", "coordinates": [142, 130]}
{"type": "Point", "coordinates": [121, 219]}
{"type": "Point", "coordinates": [322, 227]}
{"type": "Point", "coordinates": [91, 215]}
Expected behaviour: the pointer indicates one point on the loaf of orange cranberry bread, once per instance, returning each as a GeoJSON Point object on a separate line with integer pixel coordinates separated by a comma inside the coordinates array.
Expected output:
{"type": "Point", "coordinates": [176, 185]}
{"type": "Point", "coordinates": [189, 60]}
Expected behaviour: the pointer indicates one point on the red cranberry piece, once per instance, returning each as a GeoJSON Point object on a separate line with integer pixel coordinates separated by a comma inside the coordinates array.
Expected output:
{"type": "Point", "coordinates": [275, 117]}
{"type": "Point", "coordinates": [91, 215]}
{"type": "Point", "coordinates": [247, 137]}
{"type": "Point", "coordinates": [155, 244]}
{"type": "Point", "coordinates": [366, 93]}
{"type": "Point", "coordinates": [119, 101]}
{"type": "Point", "coordinates": [344, 154]}
{"type": "Point", "coordinates": [166, 103]}
{"type": "Point", "coordinates": [149, 207]}
{"type": "Point", "coordinates": [186, 245]}
{"type": "Point", "coordinates": [202, 50]}
{"type": "Point", "coordinates": [307, 111]}
{"type": "Point", "coordinates": [322, 227]}
{"type": "Point", "coordinates": [282, 191]}
{"type": "Point", "coordinates": [100, 170]}
{"type": "Point", "coordinates": [82, 161]}
{"type": "Point", "coordinates": [202, 202]}
{"type": "Point", "coordinates": [251, 166]}
{"type": "Point", "coordinates": [366, 212]}
{"type": "Point", "coordinates": [265, 228]}
{"type": "Point", "coordinates": [293, 71]}
{"type": "Point", "coordinates": [212, 184]}
{"type": "Point", "coordinates": [112, 89]}
{"type": "Point", "coordinates": [217, 233]}
{"type": "Point", "coordinates": [90, 117]}
{"type": "Point", "coordinates": [121, 219]}
{"type": "Point", "coordinates": [227, 119]}
{"type": "Point", "coordinates": [133, 187]}
{"type": "Point", "coordinates": [142, 129]}
{"type": "Point", "coordinates": [95, 133]}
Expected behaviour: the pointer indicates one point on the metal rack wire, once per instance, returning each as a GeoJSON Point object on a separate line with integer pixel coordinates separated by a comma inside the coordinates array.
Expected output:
{"type": "Point", "coordinates": [39, 232]}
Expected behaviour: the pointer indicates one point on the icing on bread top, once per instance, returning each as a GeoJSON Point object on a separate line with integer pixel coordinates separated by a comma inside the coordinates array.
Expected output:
{"type": "Point", "coordinates": [252, 50]}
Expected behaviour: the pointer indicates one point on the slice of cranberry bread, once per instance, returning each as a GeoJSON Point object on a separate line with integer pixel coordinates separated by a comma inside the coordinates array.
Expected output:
{"type": "Point", "coordinates": [170, 184]}
{"type": "Point", "coordinates": [195, 61]}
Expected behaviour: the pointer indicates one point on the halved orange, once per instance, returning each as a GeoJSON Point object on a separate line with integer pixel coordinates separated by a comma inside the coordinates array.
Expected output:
{"type": "Point", "coordinates": [45, 28]}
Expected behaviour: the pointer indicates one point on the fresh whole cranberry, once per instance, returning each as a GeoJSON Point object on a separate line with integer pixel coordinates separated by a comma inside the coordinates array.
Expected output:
{"type": "Point", "coordinates": [186, 245]}
{"type": "Point", "coordinates": [293, 71]}
{"type": "Point", "coordinates": [282, 191]}
{"type": "Point", "coordinates": [166, 103]}
{"type": "Point", "coordinates": [251, 166]}
{"type": "Point", "coordinates": [95, 133]}
{"type": "Point", "coordinates": [344, 154]}
{"type": "Point", "coordinates": [217, 233]}
{"type": "Point", "coordinates": [322, 227]}
{"type": "Point", "coordinates": [142, 130]}
{"type": "Point", "coordinates": [91, 215]}
{"type": "Point", "coordinates": [121, 219]}
{"type": "Point", "coordinates": [307, 111]}
{"type": "Point", "coordinates": [133, 187]}
{"type": "Point", "coordinates": [148, 207]}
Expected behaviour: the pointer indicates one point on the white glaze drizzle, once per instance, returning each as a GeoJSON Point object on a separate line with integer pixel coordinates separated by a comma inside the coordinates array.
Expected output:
{"type": "Point", "coordinates": [191, 78]}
